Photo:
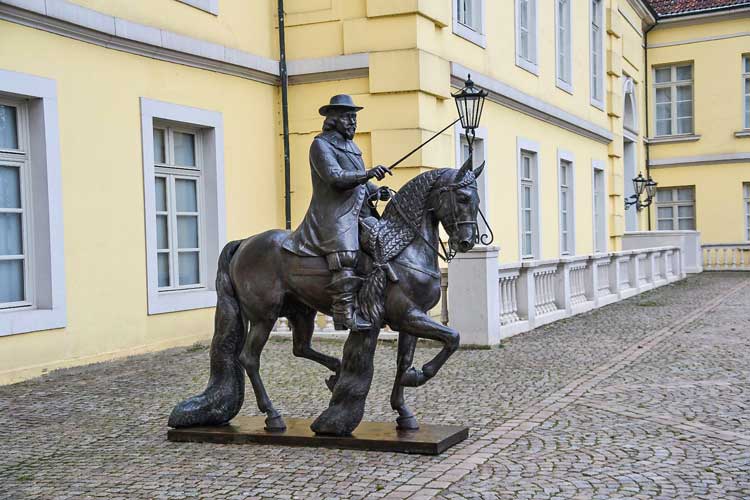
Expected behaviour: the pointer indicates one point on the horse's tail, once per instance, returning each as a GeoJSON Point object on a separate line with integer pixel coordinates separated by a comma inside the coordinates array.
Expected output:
{"type": "Point", "coordinates": [371, 296]}
{"type": "Point", "coordinates": [225, 391]}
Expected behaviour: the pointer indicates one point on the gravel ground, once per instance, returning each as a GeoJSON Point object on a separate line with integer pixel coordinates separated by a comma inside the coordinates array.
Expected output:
{"type": "Point", "coordinates": [646, 398]}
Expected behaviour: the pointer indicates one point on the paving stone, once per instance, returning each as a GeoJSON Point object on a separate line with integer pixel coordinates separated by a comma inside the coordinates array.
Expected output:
{"type": "Point", "coordinates": [646, 398]}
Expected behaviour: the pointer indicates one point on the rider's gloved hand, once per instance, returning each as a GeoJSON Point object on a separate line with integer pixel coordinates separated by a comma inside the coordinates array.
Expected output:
{"type": "Point", "coordinates": [378, 172]}
{"type": "Point", "coordinates": [384, 194]}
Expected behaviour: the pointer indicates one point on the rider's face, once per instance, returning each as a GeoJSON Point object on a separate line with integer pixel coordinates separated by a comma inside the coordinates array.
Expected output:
{"type": "Point", "coordinates": [347, 124]}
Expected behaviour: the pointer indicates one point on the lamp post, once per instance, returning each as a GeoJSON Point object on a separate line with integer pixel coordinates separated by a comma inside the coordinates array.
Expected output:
{"type": "Point", "coordinates": [641, 184]}
{"type": "Point", "coordinates": [470, 102]}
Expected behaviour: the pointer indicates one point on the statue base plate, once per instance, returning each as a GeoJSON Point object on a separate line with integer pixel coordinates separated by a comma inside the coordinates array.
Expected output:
{"type": "Point", "coordinates": [373, 436]}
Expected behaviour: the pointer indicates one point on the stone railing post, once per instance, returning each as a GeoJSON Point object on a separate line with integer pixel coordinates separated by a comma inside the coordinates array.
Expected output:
{"type": "Point", "coordinates": [564, 293]}
{"type": "Point", "coordinates": [474, 297]}
{"type": "Point", "coordinates": [527, 293]}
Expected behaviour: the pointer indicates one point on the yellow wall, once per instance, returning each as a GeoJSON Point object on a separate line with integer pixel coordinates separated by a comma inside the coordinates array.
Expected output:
{"type": "Point", "coordinates": [102, 189]}
{"type": "Point", "coordinates": [241, 24]}
{"type": "Point", "coordinates": [715, 48]}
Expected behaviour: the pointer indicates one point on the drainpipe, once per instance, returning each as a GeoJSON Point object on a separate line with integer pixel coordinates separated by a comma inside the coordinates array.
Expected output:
{"type": "Point", "coordinates": [285, 117]}
{"type": "Point", "coordinates": [647, 72]}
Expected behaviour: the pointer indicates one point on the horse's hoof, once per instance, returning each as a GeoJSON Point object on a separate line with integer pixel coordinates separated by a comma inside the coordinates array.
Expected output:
{"type": "Point", "coordinates": [331, 382]}
{"type": "Point", "coordinates": [412, 378]}
{"type": "Point", "coordinates": [206, 409]}
{"type": "Point", "coordinates": [407, 423]}
{"type": "Point", "coordinates": [275, 424]}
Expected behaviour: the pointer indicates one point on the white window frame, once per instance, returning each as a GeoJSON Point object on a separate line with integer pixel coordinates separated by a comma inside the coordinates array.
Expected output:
{"type": "Point", "coordinates": [567, 158]}
{"type": "Point", "coordinates": [564, 47]}
{"type": "Point", "coordinates": [480, 155]}
{"type": "Point", "coordinates": [672, 84]}
{"type": "Point", "coordinates": [211, 158]}
{"type": "Point", "coordinates": [599, 210]}
{"type": "Point", "coordinates": [596, 60]}
{"type": "Point", "coordinates": [675, 205]}
{"type": "Point", "coordinates": [746, 199]}
{"type": "Point", "coordinates": [530, 62]}
{"type": "Point", "coordinates": [210, 6]}
{"type": "Point", "coordinates": [20, 158]}
{"type": "Point", "coordinates": [745, 91]}
{"type": "Point", "coordinates": [474, 34]}
{"type": "Point", "coordinates": [44, 307]}
{"type": "Point", "coordinates": [629, 90]}
{"type": "Point", "coordinates": [526, 146]}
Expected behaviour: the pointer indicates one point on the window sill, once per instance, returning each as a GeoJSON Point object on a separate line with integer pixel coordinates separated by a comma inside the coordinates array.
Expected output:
{"type": "Point", "coordinates": [597, 104]}
{"type": "Point", "coordinates": [469, 34]}
{"type": "Point", "coordinates": [567, 87]}
{"type": "Point", "coordinates": [668, 139]}
{"type": "Point", "coordinates": [529, 66]}
{"type": "Point", "coordinates": [742, 133]}
{"type": "Point", "coordinates": [210, 6]}
{"type": "Point", "coordinates": [181, 300]}
{"type": "Point", "coordinates": [14, 321]}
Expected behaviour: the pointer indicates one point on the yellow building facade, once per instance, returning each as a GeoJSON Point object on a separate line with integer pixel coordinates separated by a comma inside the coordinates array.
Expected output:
{"type": "Point", "coordinates": [141, 136]}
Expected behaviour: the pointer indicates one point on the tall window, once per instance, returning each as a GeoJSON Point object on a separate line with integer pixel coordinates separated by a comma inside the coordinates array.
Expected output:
{"type": "Point", "coordinates": [469, 14]}
{"type": "Point", "coordinates": [600, 225]}
{"type": "Point", "coordinates": [178, 207]}
{"type": "Point", "coordinates": [746, 192]}
{"type": "Point", "coordinates": [675, 208]}
{"type": "Point", "coordinates": [529, 230]}
{"type": "Point", "coordinates": [564, 45]}
{"type": "Point", "coordinates": [526, 34]}
{"type": "Point", "coordinates": [746, 83]}
{"type": "Point", "coordinates": [673, 87]}
{"type": "Point", "coordinates": [597, 53]}
{"type": "Point", "coordinates": [567, 198]}
{"type": "Point", "coordinates": [14, 206]}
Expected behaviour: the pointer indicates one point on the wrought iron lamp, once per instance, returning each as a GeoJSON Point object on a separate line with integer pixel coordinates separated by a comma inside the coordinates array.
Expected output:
{"type": "Point", "coordinates": [470, 102]}
{"type": "Point", "coordinates": [641, 184]}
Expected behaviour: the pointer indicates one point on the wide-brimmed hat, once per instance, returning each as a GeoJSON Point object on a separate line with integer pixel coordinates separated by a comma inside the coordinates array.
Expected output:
{"type": "Point", "coordinates": [340, 102]}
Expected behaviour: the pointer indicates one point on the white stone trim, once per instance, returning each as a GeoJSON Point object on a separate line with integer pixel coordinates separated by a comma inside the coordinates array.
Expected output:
{"type": "Point", "coordinates": [669, 139]}
{"type": "Point", "coordinates": [640, 7]}
{"type": "Point", "coordinates": [742, 133]}
{"type": "Point", "coordinates": [562, 84]}
{"type": "Point", "coordinates": [49, 310]}
{"type": "Point", "coordinates": [699, 40]}
{"type": "Point", "coordinates": [215, 211]}
{"type": "Point", "coordinates": [598, 103]}
{"type": "Point", "coordinates": [467, 33]}
{"type": "Point", "coordinates": [689, 161]}
{"type": "Point", "coordinates": [485, 179]}
{"type": "Point", "coordinates": [702, 16]}
{"type": "Point", "coordinates": [322, 69]}
{"type": "Point", "coordinates": [515, 99]}
{"type": "Point", "coordinates": [210, 6]}
{"type": "Point", "coordinates": [79, 23]}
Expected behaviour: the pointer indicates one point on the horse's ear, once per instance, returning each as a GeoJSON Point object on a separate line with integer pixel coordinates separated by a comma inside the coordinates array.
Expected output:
{"type": "Point", "coordinates": [478, 171]}
{"type": "Point", "coordinates": [463, 170]}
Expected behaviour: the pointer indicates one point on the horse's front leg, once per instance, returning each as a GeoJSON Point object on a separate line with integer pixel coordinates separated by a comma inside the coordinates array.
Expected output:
{"type": "Point", "coordinates": [406, 345]}
{"type": "Point", "coordinates": [420, 325]}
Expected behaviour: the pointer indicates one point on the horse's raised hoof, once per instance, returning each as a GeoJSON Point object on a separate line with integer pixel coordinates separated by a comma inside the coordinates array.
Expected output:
{"type": "Point", "coordinates": [407, 423]}
{"type": "Point", "coordinates": [412, 378]}
{"type": "Point", "coordinates": [331, 381]}
{"type": "Point", "coordinates": [275, 424]}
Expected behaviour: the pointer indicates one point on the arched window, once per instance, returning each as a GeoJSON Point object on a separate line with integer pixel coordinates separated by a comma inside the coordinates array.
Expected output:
{"type": "Point", "coordinates": [630, 111]}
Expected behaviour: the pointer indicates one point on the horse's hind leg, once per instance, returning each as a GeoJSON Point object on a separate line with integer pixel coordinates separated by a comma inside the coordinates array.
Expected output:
{"type": "Point", "coordinates": [250, 359]}
{"type": "Point", "coordinates": [406, 345]}
{"type": "Point", "coordinates": [303, 326]}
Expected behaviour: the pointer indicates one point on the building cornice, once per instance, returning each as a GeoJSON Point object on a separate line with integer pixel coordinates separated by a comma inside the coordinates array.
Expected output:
{"type": "Point", "coordinates": [511, 97]}
{"type": "Point", "coordinates": [643, 11]}
{"type": "Point", "coordinates": [689, 161]}
{"type": "Point", "coordinates": [76, 22]}
{"type": "Point", "coordinates": [712, 15]}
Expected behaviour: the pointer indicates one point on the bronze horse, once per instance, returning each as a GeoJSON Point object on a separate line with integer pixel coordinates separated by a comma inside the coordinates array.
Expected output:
{"type": "Point", "coordinates": [258, 282]}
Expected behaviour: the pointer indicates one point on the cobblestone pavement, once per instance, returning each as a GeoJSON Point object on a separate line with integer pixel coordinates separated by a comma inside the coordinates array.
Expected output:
{"type": "Point", "coordinates": [647, 398]}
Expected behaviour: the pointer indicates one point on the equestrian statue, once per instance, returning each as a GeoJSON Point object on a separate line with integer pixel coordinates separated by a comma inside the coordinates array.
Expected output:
{"type": "Point", "coordinates": [347, 261]}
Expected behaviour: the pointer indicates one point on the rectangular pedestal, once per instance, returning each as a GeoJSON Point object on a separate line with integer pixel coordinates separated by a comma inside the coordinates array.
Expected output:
{"type": "Point", "coordinates": [375, 436]}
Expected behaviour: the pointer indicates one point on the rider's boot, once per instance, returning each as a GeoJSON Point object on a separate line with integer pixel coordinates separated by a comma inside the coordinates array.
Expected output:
{"type": "Point", "coordinates": [343, 286]}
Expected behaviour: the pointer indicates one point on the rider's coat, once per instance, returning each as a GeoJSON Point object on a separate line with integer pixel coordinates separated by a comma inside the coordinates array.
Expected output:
{"type": "Point", "coordinates": [331, 223]}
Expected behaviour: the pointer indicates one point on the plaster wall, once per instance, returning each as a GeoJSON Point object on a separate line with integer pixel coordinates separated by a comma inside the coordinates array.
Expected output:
{"type": "Point", "coordinates": [102, 191]}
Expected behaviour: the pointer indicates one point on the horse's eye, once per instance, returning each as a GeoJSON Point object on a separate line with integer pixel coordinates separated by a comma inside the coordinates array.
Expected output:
{"type": "Point", "coordinates": [464, 199]}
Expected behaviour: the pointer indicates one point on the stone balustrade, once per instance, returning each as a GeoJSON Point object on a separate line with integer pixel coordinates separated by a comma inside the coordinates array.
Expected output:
{"type": "Point", "coordinates": [528, 294]}
{"type": "Point", "coordinates": [726, 257]}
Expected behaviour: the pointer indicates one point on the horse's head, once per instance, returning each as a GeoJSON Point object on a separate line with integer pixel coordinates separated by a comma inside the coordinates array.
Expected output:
{"type": "Point", "coordinates": [455, 202]}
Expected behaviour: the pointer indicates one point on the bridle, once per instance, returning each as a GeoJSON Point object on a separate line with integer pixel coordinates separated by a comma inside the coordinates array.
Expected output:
{"type": "Point", "coordinates": [449, 253]}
